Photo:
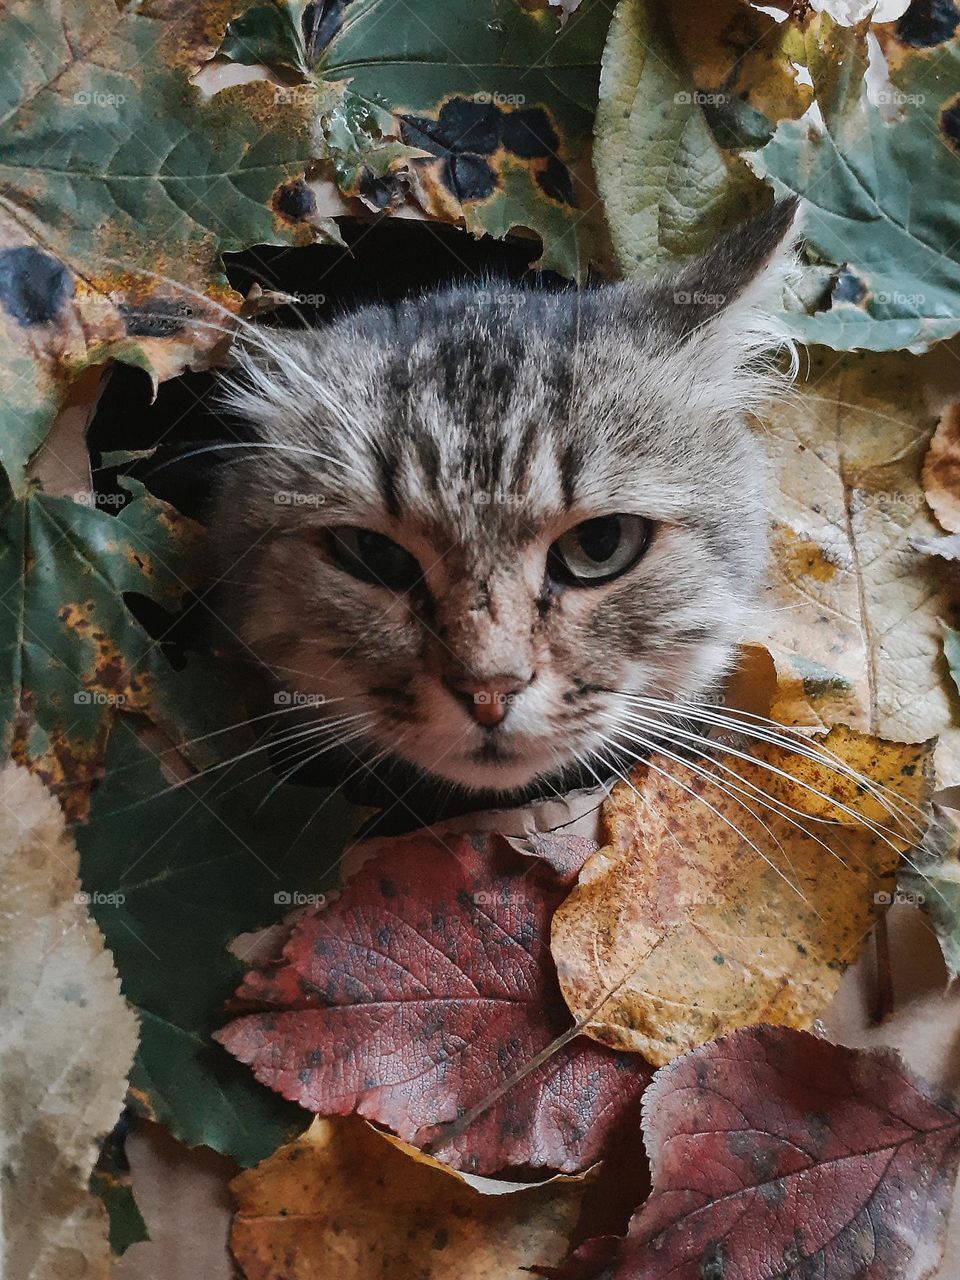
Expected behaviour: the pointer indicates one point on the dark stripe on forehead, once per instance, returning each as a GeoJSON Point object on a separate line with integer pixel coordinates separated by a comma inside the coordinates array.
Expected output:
{"type": "Point", "coordinates": [428, 456]}
{"type": "Point", "coordinates": [523, 455]}
{"type": "Point", "coordinates": [569, 464]}
{"type": "Point", "coordinates": [387, 463]}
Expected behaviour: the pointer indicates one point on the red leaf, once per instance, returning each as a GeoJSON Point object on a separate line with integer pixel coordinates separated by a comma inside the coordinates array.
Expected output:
{"type": "Point", "coordinates": [777, 1154]}
{"type": "Point", "coordinates": [419, 992]}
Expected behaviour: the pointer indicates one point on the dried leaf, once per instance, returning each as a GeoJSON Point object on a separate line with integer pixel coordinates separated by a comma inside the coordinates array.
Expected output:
{"type": "Point", "coordinates": [775, 1153]}
{"type": "Point", "coordinates": [696, 918]}
{"type": "Point", "coordinates": [683, 88]}
{"type": "Point", "coordinates": [667, 185]}
{"type": "Point", "coordinates": [343, 1199]}
{"type": "Point", "coordinates": [426, 990]}
{"type": "Point", "coordinates": [67, 1041]}
{"type": "Point", "coordinates": [848, 586]}
{"type": "Point", "coordinates": [931, 880]}
{"type": "Point", "coordinates": [941, 470]}
{"type": "Point", "coordinates": [894, 256]}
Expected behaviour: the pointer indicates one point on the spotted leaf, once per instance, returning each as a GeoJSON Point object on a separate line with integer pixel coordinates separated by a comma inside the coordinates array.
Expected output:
{"type": "Point", "coordinates": [877, 185]}
{"type": "Point", "coordinates": [424, 997]}
{"type": "Point", "coordinates": [775, 1153]}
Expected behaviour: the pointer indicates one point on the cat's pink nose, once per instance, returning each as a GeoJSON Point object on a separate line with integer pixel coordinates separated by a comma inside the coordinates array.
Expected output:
{"type": "Point", "coordinates": [488, 699]}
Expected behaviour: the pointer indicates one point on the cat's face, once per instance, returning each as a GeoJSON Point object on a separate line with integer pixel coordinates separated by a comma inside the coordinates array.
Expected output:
{"type": "Point", "coordinates": [488, 518]}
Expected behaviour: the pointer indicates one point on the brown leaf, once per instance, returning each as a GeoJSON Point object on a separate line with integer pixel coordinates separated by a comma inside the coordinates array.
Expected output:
{"type": "Point", "coordinates": [694, 918]}
{"type": "Point", "coordinates": [778, 1154]}
{"type": "Point", "coordinates": [344, 1200]}
{"type": "Point", "coordinates": [941, 470]}
{"type": "Point", "coordinates": [424, 994]}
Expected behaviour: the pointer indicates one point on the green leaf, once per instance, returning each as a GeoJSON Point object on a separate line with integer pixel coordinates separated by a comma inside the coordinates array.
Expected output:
{"type": "Point", "coordinates": [931, 880]}
{"type": "Point", "coordinates": [109, 155]}
{"type": "Point", "coordinates": [110, 1181]}
{"type": "Point", "coordinates": [72, 655]}
{"type": "Point", "coordinates": [880, 195]}
{"type": "Point", "coordinates": [479, 109]}
{"type": "Point", "coordinates": [176, 874]}
{"type": "Point", "coordinates": [271, 34]}
{"type": "Point", "coordinates": [668, 186]}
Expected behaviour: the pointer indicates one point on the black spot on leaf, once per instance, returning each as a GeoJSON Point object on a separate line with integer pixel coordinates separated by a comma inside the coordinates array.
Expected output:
{"type": "Point", "coordinates": [155, 317]}
{"type": "Point", "coordinates": [554, 181]}
{"type": "Point", "coordinates": [380, 192]}
{"type": "Point", "coordinates": [849, 288]}
{"type": "Point", "coordinates": [462, 127]}
{"type": "Point", "coordinates": [295, 200]}
{"type": "Point", "coordinates": [469, 177]}
{"type": "Point", "coordinates": [463, 135]}
{"type": "Point", "coordinates": [529, 133]}
{"type": "Point", "coordinates": [927, 23]}
{"type": "Point", "coordinates": [950, 124]}
{"type": "Point", "coordinates": [713, 1261]}
{"type": "Point", "coordinates": [33, 285]}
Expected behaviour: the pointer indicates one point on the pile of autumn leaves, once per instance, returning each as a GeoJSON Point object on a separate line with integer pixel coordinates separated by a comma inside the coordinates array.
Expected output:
{"type": "Point", "coordinates": [500, 1005]}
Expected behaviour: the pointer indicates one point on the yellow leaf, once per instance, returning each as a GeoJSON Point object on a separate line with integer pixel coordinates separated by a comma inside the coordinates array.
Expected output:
{"type": "Point", "coordinates": [853, 610]}
{"type": "Point", "coordinates": [695, 918]}
{"type": "Point", "coordinates": [346, 1201]}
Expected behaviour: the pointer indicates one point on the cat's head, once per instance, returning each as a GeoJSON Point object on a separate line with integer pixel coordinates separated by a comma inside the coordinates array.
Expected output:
{"type": "Point", "coordinates": [483, 519]}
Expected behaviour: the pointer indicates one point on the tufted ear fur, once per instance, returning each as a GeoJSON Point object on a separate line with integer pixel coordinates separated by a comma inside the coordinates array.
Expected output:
{"type": "Point", "coordinates": [741, 275]}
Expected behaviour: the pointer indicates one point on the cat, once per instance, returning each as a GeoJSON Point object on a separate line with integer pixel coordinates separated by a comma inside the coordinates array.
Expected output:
{"type": "Point", "coordinates": [474, 527]}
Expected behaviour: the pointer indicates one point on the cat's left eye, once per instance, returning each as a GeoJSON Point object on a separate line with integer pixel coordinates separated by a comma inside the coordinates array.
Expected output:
{"type": "Point", "coordinates": [373, 557]}
{"type": "Point", "coordinates": [598, 550]}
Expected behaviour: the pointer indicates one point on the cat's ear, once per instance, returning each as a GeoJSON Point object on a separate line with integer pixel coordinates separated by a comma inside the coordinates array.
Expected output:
{"type": "Point", "coordinates": [737, 285]}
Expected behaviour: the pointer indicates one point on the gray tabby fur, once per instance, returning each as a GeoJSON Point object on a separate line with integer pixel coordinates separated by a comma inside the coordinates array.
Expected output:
{"type": "Point", "coordinates": [473, 426]}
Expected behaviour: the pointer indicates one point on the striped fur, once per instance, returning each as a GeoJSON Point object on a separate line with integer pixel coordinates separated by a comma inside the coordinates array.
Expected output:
{"type": "Point", "coordinates": [474, 426]}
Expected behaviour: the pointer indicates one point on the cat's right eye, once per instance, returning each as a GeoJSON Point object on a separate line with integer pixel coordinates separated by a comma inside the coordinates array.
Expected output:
{"type": "Point", "coordinates": [373, 557]}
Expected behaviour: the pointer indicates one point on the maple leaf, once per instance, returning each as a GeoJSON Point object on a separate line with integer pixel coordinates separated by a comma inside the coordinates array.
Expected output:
{"type": "Point", "coordinates": [416, 997]}
{"type": "Point", "coordinates": [776, 1153]}
{"type": "Point", "coordinates": [722, 899]}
